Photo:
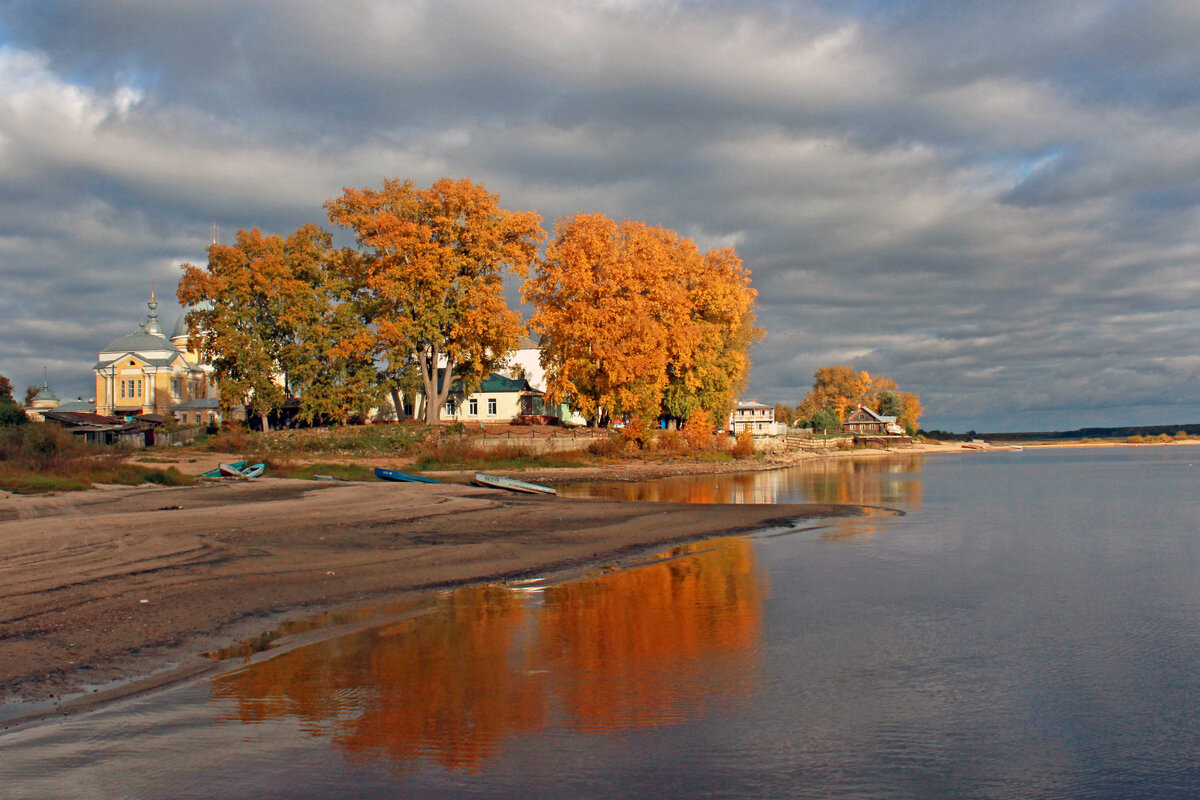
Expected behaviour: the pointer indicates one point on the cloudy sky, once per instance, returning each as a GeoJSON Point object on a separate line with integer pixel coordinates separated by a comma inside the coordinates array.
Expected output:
{"type": "Point", "coordinates": [996, 204]}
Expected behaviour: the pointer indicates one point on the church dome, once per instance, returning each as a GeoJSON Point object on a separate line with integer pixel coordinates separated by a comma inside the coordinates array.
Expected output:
{"type": "Point", "coordinates": [181, 327]}
{"type": "Point", "coordinates": [148, 336]}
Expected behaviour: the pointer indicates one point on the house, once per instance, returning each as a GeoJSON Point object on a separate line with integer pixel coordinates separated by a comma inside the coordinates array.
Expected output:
{"type": "Point", "coordinates": [866, 421]}
{"type": "Point", "coordinates": [144, 372]}
{"type": "Point", "coordinates": [498, 399]}
{"type": "Point", "coordinates": [103, 429]}
{"type": "Point", "coordinates": [752, 416]}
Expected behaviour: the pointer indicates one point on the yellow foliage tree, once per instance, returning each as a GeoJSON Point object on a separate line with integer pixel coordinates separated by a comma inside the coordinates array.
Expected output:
{"type": "Point", "coordinates": [433, 262]}
{"type": "Point", "coordinates": [632, 316]}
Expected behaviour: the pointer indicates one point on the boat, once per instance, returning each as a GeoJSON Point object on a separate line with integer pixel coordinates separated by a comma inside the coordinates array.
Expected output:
{"type": "Point", "coordinates": [216, 473]}
{"type": "Point", "coordinates": [1015, 447]}
{"type": "Point", "coordinates": [254, 471]}
{"type": "Point", "coordinates": [233, 470]}
{"type": "Point", "coordinates": [512, 484]}
{"type": "Point", "coordinates": [401, 477]}
{"type": "Point", "coordinates": [328, 478]}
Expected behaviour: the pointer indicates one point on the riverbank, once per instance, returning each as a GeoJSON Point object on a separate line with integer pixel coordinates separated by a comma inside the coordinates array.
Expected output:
{"type": "Point", "coordinates": [113, 583]}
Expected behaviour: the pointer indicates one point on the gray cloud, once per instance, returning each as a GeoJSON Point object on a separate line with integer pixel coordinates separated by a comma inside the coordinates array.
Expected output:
{"type": "Point", "coordinates": [999, 207]}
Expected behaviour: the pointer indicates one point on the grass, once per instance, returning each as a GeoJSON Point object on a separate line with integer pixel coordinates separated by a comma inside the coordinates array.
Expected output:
{"type": "Point", "coordinates": [42, 457]}
{"type": "Point", "coordinates": [459, 455]}
{"type": "Point", "coordinates": [351, 440]}
{"type": "Point", "coordinates": [350, 472]}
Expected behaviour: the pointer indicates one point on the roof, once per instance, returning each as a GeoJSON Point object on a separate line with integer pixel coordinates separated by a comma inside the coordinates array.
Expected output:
{"type": "Point", "coordinates": [495, 383]}
{"type": "Point", "coordinates": [527, 343]}
{"type": "Point", "coordinates": [45, 394]}
{"type": "Point", "coordinates": [181, 327]}
{"type": "Point", "coordinates": [197, 403]}
{"type": "Point", "coordinates": [76, 418]}
{"type": "Point", "coordinates": [872, 414]}
{"type": "Point", "coordinates": [165, 361]}
{"type": "Point", "coordinates": [76, 405]}
{"type": "Point", "coordinates": [750, 404]}
{"type": "Point", "coordinates": [140, 340]}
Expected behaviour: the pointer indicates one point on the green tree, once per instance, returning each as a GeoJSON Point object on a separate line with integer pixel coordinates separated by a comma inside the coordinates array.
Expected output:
{"type": "Point", "coordinates": [826, 419]}
{"type": "Point", "coordinates": [10, 412]}
{"type": "Point", "coordinates": [433, 262]}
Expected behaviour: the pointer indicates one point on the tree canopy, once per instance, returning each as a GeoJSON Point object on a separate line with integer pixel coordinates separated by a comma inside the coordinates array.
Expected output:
{"type": "Point", "coordinates": [635, 321]}
{"type": "Point", "coordinates": [432, 263]}
{"type": "Point", "coordinates": [839, 389]}
{"type": "Point", "coordinates": [10, 412]}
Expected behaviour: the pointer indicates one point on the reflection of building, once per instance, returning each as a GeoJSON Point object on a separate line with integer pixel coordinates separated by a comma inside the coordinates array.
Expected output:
{"type": "Point", "coordinates": [144, 372]}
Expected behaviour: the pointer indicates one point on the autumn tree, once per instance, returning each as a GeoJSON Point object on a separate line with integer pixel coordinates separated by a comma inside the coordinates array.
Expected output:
{"type": "Point", "coordinates": [633, 319]}
{"type": "Point", "coordinates": [275, 319]}
{"type": "Point", "coordinates": [30, 393]}
{"type": "Point", "coordinates": [710, 354]}
{"type": "Point", "coordinates": [433, 262]}
{"type": "Point", "coordinates": [839, 389]}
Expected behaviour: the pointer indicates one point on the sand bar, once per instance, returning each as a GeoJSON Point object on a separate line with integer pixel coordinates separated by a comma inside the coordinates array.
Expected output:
{"type": "Point", "coordinates": [113, 583]}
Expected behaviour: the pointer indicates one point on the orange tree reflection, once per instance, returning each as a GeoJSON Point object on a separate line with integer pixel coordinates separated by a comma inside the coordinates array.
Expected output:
{"type": "Point", "coordinates": [645, 646]}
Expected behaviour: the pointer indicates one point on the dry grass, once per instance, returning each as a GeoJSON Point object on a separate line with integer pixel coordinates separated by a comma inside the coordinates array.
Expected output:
{"type": "Point", "coordinates": [44, 458]}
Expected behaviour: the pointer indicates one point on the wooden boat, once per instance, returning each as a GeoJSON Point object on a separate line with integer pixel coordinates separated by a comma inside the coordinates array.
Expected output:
{"type": "Point", "coordinates": [328, 478]}
{"type": "Point", "coordinates": [254, 471]}
{"type": "Point", "coordinates": [216, 473]}
{"type": "Point", "coordinates": [233, 470]}
{"type": "Point", "coordinates": [401, 477]}
{"type": "Point", "coordinates": [512, 484]}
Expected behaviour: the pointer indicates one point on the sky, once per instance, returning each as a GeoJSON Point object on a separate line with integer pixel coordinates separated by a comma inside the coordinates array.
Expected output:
{"type": "Point", "coordinates": [996, 204]}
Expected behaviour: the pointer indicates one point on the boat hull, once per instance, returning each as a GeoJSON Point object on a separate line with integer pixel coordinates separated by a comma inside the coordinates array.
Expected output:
{"type": "Point", "coordinates": [512, 484]}
{"type": "Point", "coordinates": [401, 477]}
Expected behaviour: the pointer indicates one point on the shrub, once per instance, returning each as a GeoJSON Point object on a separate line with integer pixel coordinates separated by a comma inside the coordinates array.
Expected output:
{"type": "Point", "coordinates": [608, 446]}
{"type": "Point", "coordinates": [638, 432]}
{"type": "Point", "coordinates": [698, 431]}
{"type": "Point", "coordinates": [1181, 436]}
{"type": "Point", "coordinates": [743, 445]}
{"type": "Point", "coordinates": [670, 441]}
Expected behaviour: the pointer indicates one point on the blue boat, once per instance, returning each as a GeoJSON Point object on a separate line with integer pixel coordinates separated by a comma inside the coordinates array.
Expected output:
{"type": "Point", "coordinates": [512, 484]}
{"type": "Point", "coordinates": [254, 471]}
{"type": "Point", "coordinates": [401, 477]}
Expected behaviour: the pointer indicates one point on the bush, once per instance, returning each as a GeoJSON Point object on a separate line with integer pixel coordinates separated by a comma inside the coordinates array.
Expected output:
{"type": "Point", "coordinates": [698, 431]}
{"type": "Point", "coordinates": [638, 432]}
{"type": "Point", "coordinates": [670, 441]}
{"type": "Point", "coordinates": [1181, 436]}
{"type": "Point", "coordinates": [607, 447]}
{"type": "Point", "coordinates": [743, 445]}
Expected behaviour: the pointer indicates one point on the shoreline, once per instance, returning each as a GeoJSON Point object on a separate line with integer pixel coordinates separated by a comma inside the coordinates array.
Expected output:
{"type": "Point", "coordinates": [115, 584]}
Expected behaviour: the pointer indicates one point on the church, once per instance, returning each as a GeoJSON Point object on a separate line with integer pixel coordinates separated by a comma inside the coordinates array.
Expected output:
{"type": "Point", "coordinates": [147, 372]}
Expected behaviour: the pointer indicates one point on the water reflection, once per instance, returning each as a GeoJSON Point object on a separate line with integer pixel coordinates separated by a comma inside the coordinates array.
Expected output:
{"type": "Point", "coordinates": [636, 648]}
{"type": "Point", "coordinates": [863, 481]}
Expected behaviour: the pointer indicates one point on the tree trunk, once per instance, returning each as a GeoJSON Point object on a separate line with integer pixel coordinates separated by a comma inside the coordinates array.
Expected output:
{"type": "Point", "coordinates": [266, 425]}
{"type": "Point", "coordinates": [435, 396]}
{"type": "Point", "coordinates": [398, 404]}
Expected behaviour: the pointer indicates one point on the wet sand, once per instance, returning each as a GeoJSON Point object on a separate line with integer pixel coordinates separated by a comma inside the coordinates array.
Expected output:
{"type": "Point", "coordinates": [114, 583]}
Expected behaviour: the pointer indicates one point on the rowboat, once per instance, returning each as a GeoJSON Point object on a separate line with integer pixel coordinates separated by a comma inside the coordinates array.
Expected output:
{"type": "Point", "coordinates": [328, 478]}
{"type": "Point", "coordinates": [512, 484]}
{"type": "Point", "coordinates": [254, 471]}
{"type": "Point", "coordinates": [401, 477]}
{"type": "Point", "coordinates": [216, 473]}
{"type": "Point", "coordinates": [231, 470]}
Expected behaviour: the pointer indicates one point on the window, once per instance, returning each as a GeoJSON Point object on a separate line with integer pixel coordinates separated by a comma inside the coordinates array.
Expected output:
{"type": "Point", "coordinates": [473, 406]}
{"type": "Point", "coordinates": [139, 394]}
{"type": "Point", "coordinates": [491, 406]}
{"type": "Point", "coordinates": [450, 407]}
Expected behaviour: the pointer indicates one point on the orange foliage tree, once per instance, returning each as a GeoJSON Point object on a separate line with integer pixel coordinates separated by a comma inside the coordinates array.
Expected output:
{"type": "Point", "coordinates": [433, 262]}
{"type": "Point", "coordinates": [632, 318]}
{"type": "Point", "coordinates": [273, 317]}
{"type": "Point", "coordinates": [841, 388]}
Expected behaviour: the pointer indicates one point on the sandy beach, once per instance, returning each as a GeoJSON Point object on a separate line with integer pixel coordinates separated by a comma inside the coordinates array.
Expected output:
{"type": "Point", "coordinates": [114, 583]}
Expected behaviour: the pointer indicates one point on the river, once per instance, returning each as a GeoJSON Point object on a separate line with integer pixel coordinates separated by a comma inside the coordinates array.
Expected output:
{"type": "Point", "coordinates": [998, 625]}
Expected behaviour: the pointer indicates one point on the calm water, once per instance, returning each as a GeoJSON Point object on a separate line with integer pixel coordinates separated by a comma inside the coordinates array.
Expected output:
{"type": "Point", "coordinates": [1030, 627]}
